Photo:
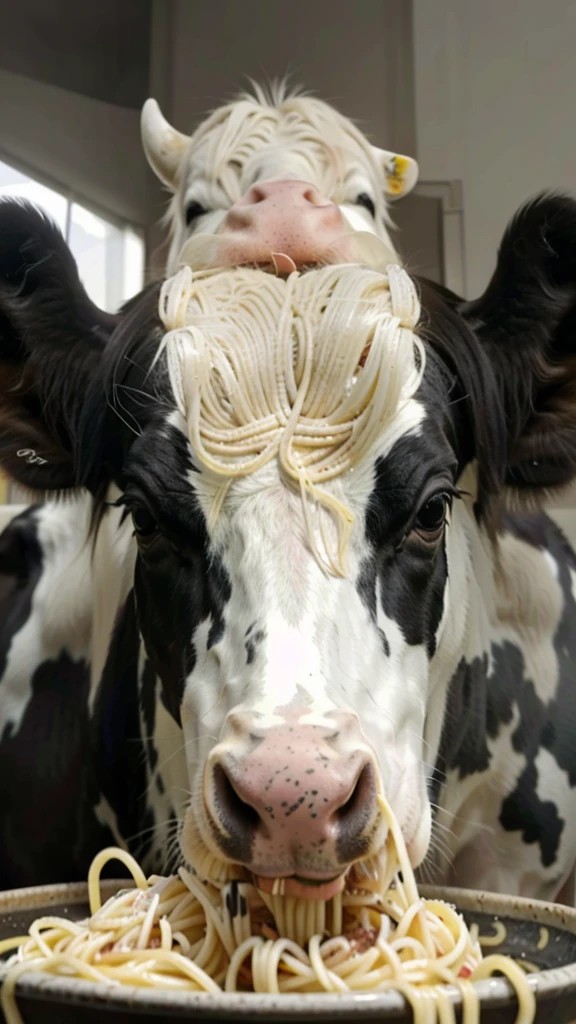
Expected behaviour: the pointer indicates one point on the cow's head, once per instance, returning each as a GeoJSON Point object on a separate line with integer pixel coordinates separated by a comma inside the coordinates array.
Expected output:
{"type": "Point", "coordinates": [273, 174]}
{"type": "Point", "coordinates": [306, 570]}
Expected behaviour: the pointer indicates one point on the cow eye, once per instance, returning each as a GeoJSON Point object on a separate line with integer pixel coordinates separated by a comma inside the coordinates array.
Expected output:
{"type": "Point", "coordinates": [193, 211]}
{"type": "Point", "coordinates": [367, 202]}
{"type": "Point", "coordinates": [432, 517]}
{"type": "Point", "coordinates": [144, 523]}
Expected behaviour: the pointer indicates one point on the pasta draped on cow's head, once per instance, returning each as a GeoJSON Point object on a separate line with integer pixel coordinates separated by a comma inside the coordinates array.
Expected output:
{"type": "Point", "coordinates": [307, 370]}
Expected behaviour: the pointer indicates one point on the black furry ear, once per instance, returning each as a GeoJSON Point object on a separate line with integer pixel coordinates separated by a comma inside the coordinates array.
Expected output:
{"type": "Point", "coordinates": [526, 320]}
{"type": "Point", "coordinates": [51, 340]}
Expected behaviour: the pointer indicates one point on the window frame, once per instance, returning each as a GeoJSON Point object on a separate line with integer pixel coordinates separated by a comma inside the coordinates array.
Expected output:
{"type": "Point", "coordinates": [71, 195]}
{"type": "Point", "coordinates": [451, 195]}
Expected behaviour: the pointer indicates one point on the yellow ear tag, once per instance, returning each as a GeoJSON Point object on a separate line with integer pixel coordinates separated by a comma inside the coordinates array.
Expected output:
{"type": "Point", "coordinates": [395, 174]}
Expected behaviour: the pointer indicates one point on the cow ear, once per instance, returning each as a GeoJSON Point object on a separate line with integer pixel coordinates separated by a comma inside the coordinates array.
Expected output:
{"type": "Point", "coordinates": [526, 321]}
{"type": "Point", "coordinates": [400, 172]}
{"type": "Point", "coordinates": [51, 340]}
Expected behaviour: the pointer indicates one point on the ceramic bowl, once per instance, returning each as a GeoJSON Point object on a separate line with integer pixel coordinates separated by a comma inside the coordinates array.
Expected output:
{"type": "Point", "coordinates": [43, 999]}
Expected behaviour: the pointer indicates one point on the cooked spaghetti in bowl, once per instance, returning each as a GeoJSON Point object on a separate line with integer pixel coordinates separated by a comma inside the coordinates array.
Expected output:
{"type": "Point", "coordinates": [555, 984]}
{"type": "Point", "coordinates": [185, 936]}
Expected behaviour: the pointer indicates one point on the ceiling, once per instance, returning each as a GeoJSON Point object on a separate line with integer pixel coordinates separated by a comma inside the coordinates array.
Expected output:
{"type": "Point", "coordinates": [99, 50]}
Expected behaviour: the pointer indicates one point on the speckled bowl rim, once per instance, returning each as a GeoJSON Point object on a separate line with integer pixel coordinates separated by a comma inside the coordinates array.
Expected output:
{"type": "Point", "coordinates": [492, 992]}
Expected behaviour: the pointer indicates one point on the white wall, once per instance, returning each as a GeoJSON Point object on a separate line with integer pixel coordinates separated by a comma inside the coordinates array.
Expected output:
{"type": "Point", "coordinates": [495, 91]}
{"type": "Point", "coordinates": [357, 56]}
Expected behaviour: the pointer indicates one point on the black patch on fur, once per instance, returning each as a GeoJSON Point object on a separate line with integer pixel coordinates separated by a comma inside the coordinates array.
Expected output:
{"type": "Point", "coordinates": [117, 738]}
{"type": "Point", "coordinates": [21, 562]}
{"type": "Point", "coordinates": [463, 744]}
{"type": "Point", "coordinates": [252, 643]}
{"type": "Point", "coordinates": [538, 820]}
{"type": "Point", "coordinates": [180, 582]}
{"type": "Point", "coordinates": [560, 727]}
{"type": "Point", "coordinates": [366, 585]}
{"type": "Point", "coordinates": [479, 705]}
{"type": "Point", "coordinates": [48, 790]}
{"type": "Point", "coordinates": [530, 528]}
{"type": "Point", "coordinates": [412, 575]}
{"type": "Point", "coordinates": [148, 707]}
{"type": "Point", "coordinates": [384, 642]}
{"type": "Point", "coordinates": [215, 634]}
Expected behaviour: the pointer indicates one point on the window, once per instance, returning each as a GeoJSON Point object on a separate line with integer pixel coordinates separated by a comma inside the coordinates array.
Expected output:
{"type": "Point", "coordinates": [110, 259]}
{"type": "Point", "coordinates": [110, 256]}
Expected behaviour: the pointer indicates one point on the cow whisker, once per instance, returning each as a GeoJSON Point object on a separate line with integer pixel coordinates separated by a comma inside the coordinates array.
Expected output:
{"type": "Point", "coordinates": [170, 823]}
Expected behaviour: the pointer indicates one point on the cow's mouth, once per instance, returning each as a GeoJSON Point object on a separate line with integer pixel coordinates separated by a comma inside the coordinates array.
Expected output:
{"type": "Point", "coordinates": [282, 266]}
{"type": "Point", "coordinates": [302, 887]}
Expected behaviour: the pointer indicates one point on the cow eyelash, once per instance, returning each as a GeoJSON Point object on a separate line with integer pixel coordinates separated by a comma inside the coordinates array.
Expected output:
{"type": "Point", "coordinates": [448, 492]}
{"type": "Point", "coordinates": [121, 502]}
{"type": "Point", "coordinates": [194, 210]}
{"type": "Point", "coordinates": [149, 534]}
{"type": "Point", "coordinates": [131, 507]}
{"type": "Point", "coordinates": [363, 199]}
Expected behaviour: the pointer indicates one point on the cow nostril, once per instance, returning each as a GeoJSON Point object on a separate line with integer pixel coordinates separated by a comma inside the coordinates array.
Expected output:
{"type": "Point", "coordinates": [256, 194]}
{"type": "Point", "coordinates": [359, 800]}
{"type": "Point", "coordinates": [312, 196]}
{"type": "Point", "coordinates": [232, 809]}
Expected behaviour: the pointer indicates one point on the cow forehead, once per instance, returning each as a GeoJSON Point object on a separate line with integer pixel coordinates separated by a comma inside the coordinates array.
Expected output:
{"type": "Point", "coordinates": [299, 137]}
{"type": "Point", "coordinates": [299, 614]}
{"type": "Point", "coordinates": [307, 375]}
{"type": "Point", "coordinates": [246, 125]}
{"type": "Point", "coordinates": [268, 498]}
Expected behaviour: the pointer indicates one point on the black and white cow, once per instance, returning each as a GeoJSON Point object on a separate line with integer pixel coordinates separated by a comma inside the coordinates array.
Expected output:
{"type": "Point", "coordinates": [138, 653]}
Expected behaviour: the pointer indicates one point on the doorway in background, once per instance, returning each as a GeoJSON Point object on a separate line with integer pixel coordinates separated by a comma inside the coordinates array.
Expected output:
{"type": "Point", "coordinates": [430, 235]}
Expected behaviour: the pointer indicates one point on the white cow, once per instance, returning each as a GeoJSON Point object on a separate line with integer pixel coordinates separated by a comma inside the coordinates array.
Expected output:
{"type": "Point", "coordinates": [282, 149]}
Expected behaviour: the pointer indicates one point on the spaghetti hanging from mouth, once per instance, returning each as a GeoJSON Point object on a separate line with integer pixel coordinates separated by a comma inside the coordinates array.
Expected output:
{"type": "Point", "coordinates": [182, 934]}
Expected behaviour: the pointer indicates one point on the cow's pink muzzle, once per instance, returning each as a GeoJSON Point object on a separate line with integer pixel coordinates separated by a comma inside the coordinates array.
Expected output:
{"type": "Point", "coordinates": [283, 217]}
{"type": "Point", "coordinates": [293, 801]}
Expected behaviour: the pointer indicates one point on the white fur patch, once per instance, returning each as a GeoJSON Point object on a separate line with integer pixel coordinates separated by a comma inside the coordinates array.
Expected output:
{"type": "Point", "coordinates": [529, 606]}
{"type": "Point", "coordinates": [60, 616]}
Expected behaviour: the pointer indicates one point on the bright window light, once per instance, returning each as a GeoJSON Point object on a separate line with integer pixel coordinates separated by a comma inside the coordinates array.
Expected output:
{"type": "Point", "coordinates": [13, 183]}
{"type": "Point", "coordinates": [89, 223]}
{"type": "Point", "coordinates": [110, 257]}
{"type": "Point", "coordinates": [133, 264]}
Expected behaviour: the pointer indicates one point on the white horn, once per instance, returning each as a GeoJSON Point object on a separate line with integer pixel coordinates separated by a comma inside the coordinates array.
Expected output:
{"type": "Point", "coordinates": [163, 145]}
